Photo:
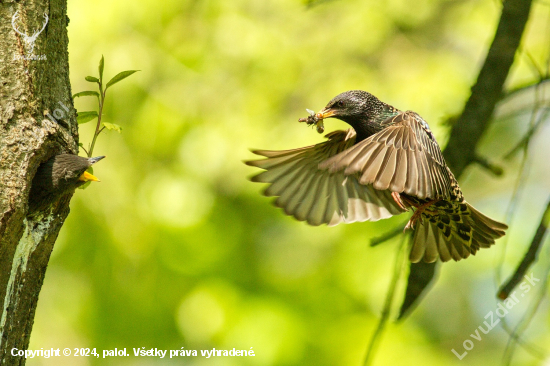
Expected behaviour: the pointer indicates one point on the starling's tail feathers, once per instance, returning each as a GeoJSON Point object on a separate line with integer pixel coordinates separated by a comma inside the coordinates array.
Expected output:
{"type": "Point", "coordinates": [453, 230]}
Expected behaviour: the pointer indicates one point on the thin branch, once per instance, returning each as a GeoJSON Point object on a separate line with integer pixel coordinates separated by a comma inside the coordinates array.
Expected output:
{"type": "Point", "coordinates": [519, 187]}
{"type": "Point", "coordinates": [525, 140]}
{"type": "Point", "coordinates": [522, 176]}
{"type": "Point", "coordinates": [529, 257]}
{"type": "Point", "coordinates": [400, 260]}
{"type": "Point", "coordinates": [495, 169]}
{"type": "Point", "coordinates": [534, 65]}
{"type": "Point", "coordinates": [515, 338]}
{"type": "Point", "coordinates": [532, 349]}
{"type": "Point", "coordinates": [100, 113]}
{"type": "Point", "coordinates": [83, 148]}
{"type": "Point", "coordinates": [387, 236]}
{"type": "Point", "coordinates": [523, 87]}
{"type": "Point", "coordinates": [524, 323]}
{"type": "Point", "coordinates": [520, 112]}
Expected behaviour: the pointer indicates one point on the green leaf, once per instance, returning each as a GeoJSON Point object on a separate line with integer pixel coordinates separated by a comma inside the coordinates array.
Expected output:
{"type": "Point", "coordinates": [120, 76]}
{"type": "Point", "coordinates": [101, 65]}
{"type": "Point", "coordinates": [112, 127]}
{"type": "Point", "coordinates": [92, 79]}
{"type": "Point", "coordinates": [86, 93]}
{"type": "Point", "coordinates": [85, 185]}
{"type": "Point", "coordinates": [83, 117]}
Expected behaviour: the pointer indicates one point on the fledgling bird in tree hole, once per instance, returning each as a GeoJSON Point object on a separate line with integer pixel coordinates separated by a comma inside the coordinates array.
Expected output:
{"type": "Point", "coordinates": [387, 163]}
{"type": "Point", "coordinates": [59, 175]}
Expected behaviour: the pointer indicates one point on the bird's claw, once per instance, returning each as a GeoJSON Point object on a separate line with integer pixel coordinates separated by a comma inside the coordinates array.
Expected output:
{"type": "Point", "coordinates": [410, 224]}
{"type": "Point", "coordinates": [413, 220]}
{"type": "Point", "coordinates": [397, 198]}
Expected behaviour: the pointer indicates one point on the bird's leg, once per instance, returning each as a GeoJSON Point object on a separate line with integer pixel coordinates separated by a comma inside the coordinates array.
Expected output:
{"type": "Point", "coordinates": [418, 212]}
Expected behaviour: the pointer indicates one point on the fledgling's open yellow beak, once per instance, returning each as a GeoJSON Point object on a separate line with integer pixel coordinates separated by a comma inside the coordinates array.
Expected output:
{"type": "Point", "coordinates": [86, 177]}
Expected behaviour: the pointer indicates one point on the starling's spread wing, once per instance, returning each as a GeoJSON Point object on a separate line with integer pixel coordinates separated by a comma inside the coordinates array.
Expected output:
{"type": "Point", "coordinates": [403, 157]}
{"type": "Point", "coordinates": [453, 230]}
{"type": "Point", "coordinates": [319, 196]}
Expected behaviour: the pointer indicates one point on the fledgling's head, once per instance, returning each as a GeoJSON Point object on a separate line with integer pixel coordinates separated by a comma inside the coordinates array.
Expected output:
{"type": "Point", "coordinates": [70, 170]}
{"type": "Point", "coordinates": [61, 174]}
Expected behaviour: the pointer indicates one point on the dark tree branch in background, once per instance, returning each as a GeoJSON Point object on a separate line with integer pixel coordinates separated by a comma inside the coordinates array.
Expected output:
{"type": "Point", "coordinates": [476, 116]}
{"type": "Point", "coordinates": [468, 130]}
{"type": "Point", "coordinates": [530, 256]}
{"type": "Point", "coordinates": [420, 277]}
{"type": "Point", "coordinates": [387, 236]}
{"type": "Point", "coordinates": [485, 163]}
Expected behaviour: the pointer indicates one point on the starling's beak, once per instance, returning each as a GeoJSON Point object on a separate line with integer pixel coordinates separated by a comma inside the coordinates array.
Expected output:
{"type": "Point", "coordinates": [326, 113]}
{"type": "Point", "coordinates": [87, 177]}
{"type": "Point", "coordinates": [95, 160]}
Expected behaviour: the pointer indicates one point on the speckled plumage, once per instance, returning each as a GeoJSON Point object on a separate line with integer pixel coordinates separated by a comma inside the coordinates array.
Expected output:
{"type": "Point", "coordinates": [388, 163]}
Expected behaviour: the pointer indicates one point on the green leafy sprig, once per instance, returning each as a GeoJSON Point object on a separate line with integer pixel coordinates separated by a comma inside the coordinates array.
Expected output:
{"type": "Point", "coordinates": [83, 117]}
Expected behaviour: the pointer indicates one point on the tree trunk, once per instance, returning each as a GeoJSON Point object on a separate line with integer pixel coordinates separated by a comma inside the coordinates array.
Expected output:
{"type": "Point", "coordinates": [37, 121]}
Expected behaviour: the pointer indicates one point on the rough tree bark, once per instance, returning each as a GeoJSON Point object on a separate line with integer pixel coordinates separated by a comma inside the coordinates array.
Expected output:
{"type": "Point", "coordinates": [32, 89]}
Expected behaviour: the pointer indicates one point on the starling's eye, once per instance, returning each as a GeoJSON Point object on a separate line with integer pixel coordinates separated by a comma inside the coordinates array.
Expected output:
{"type": "Point", "coordinates": [340, 103]}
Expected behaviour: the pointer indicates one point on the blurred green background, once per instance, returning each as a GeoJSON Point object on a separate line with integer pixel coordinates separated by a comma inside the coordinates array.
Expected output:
{"type": "Point", "coordinates": [176, 248]}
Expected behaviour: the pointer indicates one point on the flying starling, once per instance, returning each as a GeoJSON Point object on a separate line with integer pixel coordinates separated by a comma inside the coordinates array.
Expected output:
{"type": "Point", "coordinates": [59, 175]}
{"type": "Point", "coordinates": [387, 163]}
